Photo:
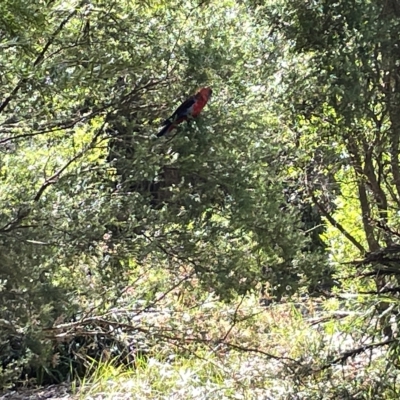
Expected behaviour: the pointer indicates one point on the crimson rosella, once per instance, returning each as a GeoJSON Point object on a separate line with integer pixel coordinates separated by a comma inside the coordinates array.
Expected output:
{"type": "Point", "coordinates": [190, 108]}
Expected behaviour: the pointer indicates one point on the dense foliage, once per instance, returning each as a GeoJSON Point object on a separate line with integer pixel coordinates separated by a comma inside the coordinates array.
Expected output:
{"type": "Point", "coordinates": [90, 198]}
{"type": "Point", "coordinates": [290, 177]}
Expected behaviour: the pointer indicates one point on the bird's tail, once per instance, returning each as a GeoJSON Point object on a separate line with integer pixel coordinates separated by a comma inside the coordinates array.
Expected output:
{"type": "Point", "coordinates": [167, 128]}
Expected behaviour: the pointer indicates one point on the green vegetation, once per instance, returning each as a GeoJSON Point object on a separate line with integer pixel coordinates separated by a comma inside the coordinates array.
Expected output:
{"type": "Point", "coordinates": [131, 264]}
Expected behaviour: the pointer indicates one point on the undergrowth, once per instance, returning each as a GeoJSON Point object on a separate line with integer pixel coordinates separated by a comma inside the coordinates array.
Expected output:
{"type": "Point", "coordinates": [245, 351]}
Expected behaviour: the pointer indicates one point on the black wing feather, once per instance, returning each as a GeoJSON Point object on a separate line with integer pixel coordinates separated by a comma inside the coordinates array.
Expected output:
{"type": "Point", "coordinates": [181, 110]}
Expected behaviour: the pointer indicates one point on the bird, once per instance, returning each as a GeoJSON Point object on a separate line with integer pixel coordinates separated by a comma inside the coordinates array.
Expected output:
{"type": "Point", "coordinates": [189, 109]}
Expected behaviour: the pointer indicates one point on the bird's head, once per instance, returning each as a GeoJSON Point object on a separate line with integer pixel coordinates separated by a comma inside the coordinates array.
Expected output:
{"type": "Point", "coordinates": [206, 92]}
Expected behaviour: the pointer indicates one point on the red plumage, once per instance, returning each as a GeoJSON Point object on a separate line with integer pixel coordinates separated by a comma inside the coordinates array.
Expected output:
{"type": "Point", "coordinates": [190, 108]}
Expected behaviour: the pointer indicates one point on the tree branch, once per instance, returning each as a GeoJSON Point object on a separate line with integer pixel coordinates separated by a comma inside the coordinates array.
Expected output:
{"type": "Point", "coordinates": [55, 177]}
{"type": "Point", "coordinates": [336, 224]}
{"type": "Point", "coordinates": [38, 59]}
{"type": "Point", "coordinates": [354, 352]}
{"type": "Point", "coordinates": [24, 212]}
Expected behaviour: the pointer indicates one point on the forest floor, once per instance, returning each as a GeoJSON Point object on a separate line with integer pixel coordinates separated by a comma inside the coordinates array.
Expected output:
{"type": "Point", "coordinates": [295, 342]}
{"type": "Point", "coordinates": [51, 392]}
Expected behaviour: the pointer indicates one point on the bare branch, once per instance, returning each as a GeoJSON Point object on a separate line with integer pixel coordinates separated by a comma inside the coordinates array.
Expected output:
{"type": "Point", "coordinates": [336, 224]}
{"type": "Point", "coordinates": [354, 352]}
